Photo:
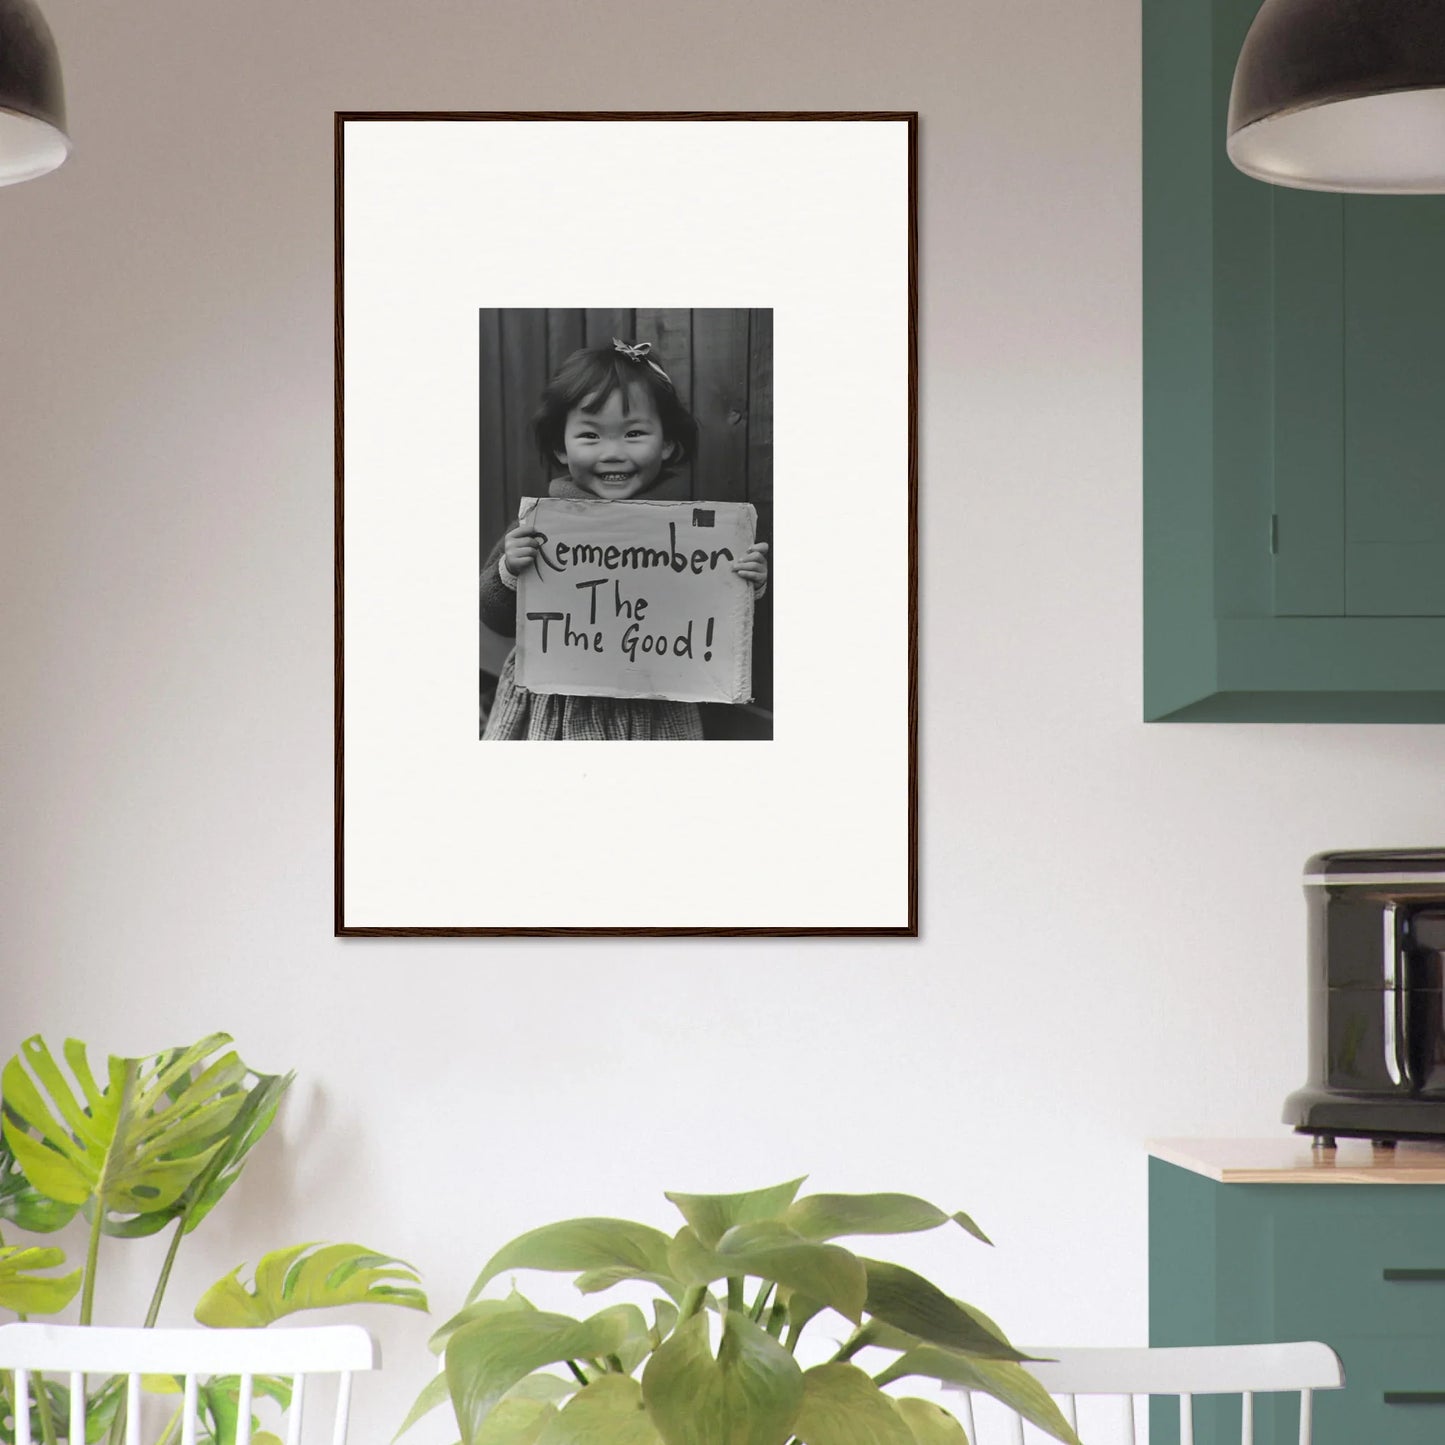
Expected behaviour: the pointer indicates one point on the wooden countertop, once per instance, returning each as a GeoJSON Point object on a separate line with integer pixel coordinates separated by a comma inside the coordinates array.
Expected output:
{"type": "Point", "coordinates": [1291, 1159]}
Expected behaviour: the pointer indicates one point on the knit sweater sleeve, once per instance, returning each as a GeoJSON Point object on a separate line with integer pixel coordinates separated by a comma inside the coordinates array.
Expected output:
{"type": "Point", "coordinates": [498, 601]}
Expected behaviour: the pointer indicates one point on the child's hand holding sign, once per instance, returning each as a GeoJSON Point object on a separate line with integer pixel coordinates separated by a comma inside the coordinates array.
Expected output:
{"type": "Point", "coordinates": [753, 565]}
{"type": "Point", "coordinates": [519, 551]}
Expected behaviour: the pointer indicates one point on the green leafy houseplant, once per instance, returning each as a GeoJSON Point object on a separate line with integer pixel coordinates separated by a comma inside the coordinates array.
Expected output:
{"type": "Point", "coordinates": [155, 1143]}
{"type": "Point", "coordinates": [765, 1265]}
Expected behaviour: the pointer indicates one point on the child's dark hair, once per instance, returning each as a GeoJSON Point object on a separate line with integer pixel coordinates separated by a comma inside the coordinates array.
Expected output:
{"type": "Point", "coordinates": [587, 378]}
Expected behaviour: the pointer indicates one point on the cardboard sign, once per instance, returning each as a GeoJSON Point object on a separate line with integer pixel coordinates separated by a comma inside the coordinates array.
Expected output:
{"type": "Point", "coordinates": [637, 599]}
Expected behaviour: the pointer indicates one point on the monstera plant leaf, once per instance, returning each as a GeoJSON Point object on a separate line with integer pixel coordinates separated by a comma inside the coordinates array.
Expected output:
{"type": "Point", "coordinates": [218, 1405]}
{"type": "Point", "coordinates": [27, 1291]}
{"type": "Point", "coordinates": [25, 1206]}
{"type": "Point", "coordinates": [309, 1277]}
{"type": "Point", "coordinates": [132, 1146]}
{"type": "Point", "coordinates": [101, 1408]}
{"type": "Point", "coordinates": [254, 1116]}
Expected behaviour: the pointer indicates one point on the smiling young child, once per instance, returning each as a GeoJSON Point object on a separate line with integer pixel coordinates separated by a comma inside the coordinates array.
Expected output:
{"type": "Point", "coordinates": [613, 418]}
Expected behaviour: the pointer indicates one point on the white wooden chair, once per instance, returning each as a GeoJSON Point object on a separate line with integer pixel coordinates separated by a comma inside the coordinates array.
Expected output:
{"type": "Point", "coordinates": [74, 1352]}
{"type": "Point", "coordinates": [1243, 1370]}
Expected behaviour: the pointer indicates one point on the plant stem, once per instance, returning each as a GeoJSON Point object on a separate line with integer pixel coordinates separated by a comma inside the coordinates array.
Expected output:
{"type": "Point", "coordinates": [735, 1292]}
{"type": "Point", "coordinates": [92, 1258]}
{"type": "Point", "coordinates": [171, 1425]}
{"type": "Point", "coordinates": [777, 1318]}
{"type": "Point", "coordinates": [581, 1378]}
{"type": "Point", "coordinates": [692, 1301]}
{"type": "Point", "coordinates": [7, 1379]}
{"type": "Point", "coordinates": [118, 1420]}
{"type": "Point", "coordinates": [42, 1403]}
{"type": "Point", "coordinates": [153, 1313]}
{"type": "Point", "coordinates": [849, 1348]}
{"type": "Point", "coordinates": [756, 1313]}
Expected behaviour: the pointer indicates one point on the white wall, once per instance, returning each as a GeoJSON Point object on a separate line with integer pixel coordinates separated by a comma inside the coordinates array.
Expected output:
{"type": "Point", "coordinates": [1113, 929]}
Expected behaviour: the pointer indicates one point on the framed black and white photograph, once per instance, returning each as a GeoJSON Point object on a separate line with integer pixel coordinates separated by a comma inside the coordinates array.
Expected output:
{"type": "Point", "coordinates": [686, 514]}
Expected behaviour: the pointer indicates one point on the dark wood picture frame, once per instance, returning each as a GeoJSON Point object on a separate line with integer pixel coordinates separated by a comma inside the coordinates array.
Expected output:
{"type": "Point", "coordinates": [905, 929]}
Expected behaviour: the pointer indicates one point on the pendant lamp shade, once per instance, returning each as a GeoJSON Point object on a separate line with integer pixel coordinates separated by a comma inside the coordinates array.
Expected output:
{"type": "Point", "coordinates": [32, 99]}
{"type": "Point", "coordinates": [1342, 95]}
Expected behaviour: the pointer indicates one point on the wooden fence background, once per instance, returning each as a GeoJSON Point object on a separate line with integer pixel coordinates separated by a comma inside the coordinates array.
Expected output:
{"type": "Point", "coordinates": [721, 362]}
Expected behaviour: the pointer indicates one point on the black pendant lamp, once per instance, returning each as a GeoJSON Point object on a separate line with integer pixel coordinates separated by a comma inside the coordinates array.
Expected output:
{"type": "Point", "coordinates": [32, 99]}
{"type": "Point", "coordinates": [1342, 95]}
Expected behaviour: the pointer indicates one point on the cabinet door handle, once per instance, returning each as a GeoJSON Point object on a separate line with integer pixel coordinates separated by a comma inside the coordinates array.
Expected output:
{"type": "Point", "coordinates": [1415, 1397]}
{"type": "Point", "coordinates": [1415, 1274]}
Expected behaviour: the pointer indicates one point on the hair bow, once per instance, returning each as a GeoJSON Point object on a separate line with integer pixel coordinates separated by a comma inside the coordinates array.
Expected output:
{"type": "Point", "coordinates": [642, 351]}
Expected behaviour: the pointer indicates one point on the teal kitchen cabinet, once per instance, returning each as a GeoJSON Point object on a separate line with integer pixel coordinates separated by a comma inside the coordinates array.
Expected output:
{"type": "Point", "coordinates": [1294, 420]}
{"type": "Point", "coordinates": [1347, 1247]}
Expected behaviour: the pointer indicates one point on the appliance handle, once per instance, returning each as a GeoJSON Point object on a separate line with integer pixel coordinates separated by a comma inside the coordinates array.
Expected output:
{"type": "Point", "coordinates": [1390, 996]}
